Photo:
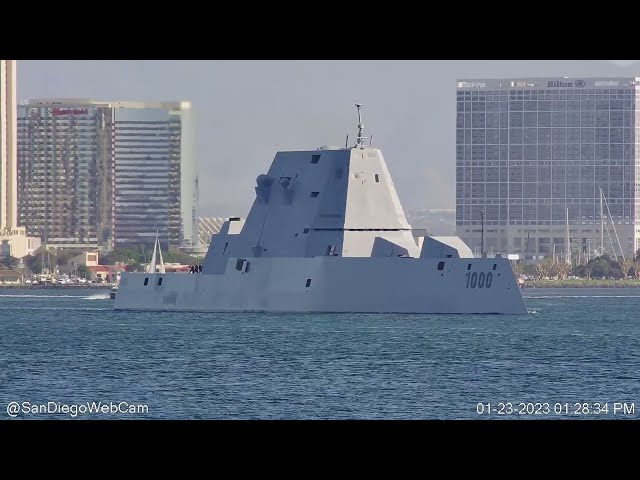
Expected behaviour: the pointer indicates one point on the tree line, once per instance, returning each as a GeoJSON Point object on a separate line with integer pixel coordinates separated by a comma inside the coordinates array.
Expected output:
{"type": "Point", "coordinates": [599, 267]}
{"type": "Point", "coordinates": [134, 257]}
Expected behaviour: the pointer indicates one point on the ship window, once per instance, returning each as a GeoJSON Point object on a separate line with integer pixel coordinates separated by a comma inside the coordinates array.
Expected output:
{"type": "Point", "coordinates": [160, 281]}
{"type": "Point", "coordinates": [377, 178]}
{"type": "Point", "coordinates": [308, 282]}
{"type": "Point", "coordinates": [306, 230]}
{"type": "Point", "coordinates": [315, 158]}
{"type": "Point", "coordinates": [494, 266]}
{"type": "Point", "coordinates": [146, 281]}
{"type": "Point", "coordinates": [440, 265]}
{"type": "Point", "coordinates": [315, 194]}
{"type": "Point", "coordinates": [468, 266]}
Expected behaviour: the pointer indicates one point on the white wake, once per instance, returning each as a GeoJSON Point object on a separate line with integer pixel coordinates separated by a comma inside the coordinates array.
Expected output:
{"type": "Point", "coordinates": [98, 296]}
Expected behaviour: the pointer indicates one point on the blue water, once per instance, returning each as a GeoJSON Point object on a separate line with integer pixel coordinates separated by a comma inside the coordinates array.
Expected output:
{"type": "Point", "coordinates": [69, 347]}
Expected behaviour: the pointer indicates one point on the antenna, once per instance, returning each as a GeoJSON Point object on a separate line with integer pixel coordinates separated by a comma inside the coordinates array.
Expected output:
{"type": "Point", "coordinates": [360, 138]}
{"type": "Point", "coordinates": [567, 240]}
{"type": "Point", "coordinates": [346, 143]}
{"type": "Point", "coordinates": [482, 254]}
{"type": "Point", "coordinates": [371, 141]}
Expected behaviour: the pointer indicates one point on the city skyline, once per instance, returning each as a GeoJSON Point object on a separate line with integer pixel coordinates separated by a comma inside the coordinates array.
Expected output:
{"type": "Point", "coordinates": [8, 146]}
{"type": "Point", "coordinates": [246, 111]}
{"type": "Point", "coordinates": [106, 173]}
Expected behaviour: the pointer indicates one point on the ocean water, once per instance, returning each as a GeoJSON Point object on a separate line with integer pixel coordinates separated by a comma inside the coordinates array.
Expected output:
{"type": "Point", "coordinates": [65, 354]}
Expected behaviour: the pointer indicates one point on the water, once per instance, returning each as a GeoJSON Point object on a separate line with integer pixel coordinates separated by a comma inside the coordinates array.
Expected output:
{"type": "Point", "coordinates": [69, 347]}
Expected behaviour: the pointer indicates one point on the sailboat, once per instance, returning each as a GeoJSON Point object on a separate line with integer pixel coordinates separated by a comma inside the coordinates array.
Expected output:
{"type": "Point", "coordinates": [605, 227]}
{"type": "Point", "coordinates": [154, 266]}
{"type": "Point", "coordinates": [47, 273]}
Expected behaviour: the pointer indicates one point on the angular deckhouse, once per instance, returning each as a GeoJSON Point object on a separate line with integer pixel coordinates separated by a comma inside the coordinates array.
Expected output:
{"type": "Point", "coordinates": [327, 233]}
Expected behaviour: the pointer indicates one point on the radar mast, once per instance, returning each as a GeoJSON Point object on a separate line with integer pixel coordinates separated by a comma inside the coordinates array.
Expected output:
{"type": "Point", "coordinates": [360, 138]}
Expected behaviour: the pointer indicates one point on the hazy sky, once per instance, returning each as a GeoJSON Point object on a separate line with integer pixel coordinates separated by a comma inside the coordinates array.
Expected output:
{"type": "Point", "coordinates": [248, 110]}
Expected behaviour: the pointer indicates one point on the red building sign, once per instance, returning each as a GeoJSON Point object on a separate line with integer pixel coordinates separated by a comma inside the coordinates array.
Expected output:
{"type": "Point", "coordinates": [57, 112]}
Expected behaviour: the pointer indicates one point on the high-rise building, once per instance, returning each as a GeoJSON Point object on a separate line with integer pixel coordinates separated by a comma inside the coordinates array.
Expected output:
{"type": "Point", "coordinates": [107, 173]}
{"type": "Point", "coordinates": [155, 181]}
{"type": "Point", "coordinates": [8, 195]}
{"type": "Point", "coordinates": [13, 241]}
{"type": "Point", "coordinates": [208, 226]}
{"type": "Point", "coordinates": [533, 155]}
{"type": "Point", "coordinates": [65, 172]}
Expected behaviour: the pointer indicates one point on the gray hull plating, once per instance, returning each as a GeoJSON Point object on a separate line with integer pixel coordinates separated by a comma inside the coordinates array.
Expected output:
{"type": "Point", "coordinates": [332, 284]}
{"type": "Point", "coordinates": [327, 233]}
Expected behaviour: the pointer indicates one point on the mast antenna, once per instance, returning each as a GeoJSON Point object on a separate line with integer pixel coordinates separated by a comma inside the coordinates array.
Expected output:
{"type": "Point", "coordinates": [360, 138]}
{"type": "Point", "coordinates": [482, 254]}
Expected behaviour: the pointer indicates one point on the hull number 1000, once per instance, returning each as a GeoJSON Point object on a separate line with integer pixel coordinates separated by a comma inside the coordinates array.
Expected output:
{"type": "Point", "coordinates": [479, 280]}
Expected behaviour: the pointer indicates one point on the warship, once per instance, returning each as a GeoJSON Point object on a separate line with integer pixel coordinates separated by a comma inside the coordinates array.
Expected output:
{"type": "Point", "coordinates": [327, 233]}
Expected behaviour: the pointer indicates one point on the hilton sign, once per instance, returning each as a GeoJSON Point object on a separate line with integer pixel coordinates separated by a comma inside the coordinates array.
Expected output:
{"type": "Point", "coordinates": [561, 84]}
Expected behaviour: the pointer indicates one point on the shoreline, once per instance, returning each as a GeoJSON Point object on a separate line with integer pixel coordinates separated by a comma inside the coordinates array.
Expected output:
{"type": "Point", "coordinates": [580, 283]}
{"type": "Point", "coordinates": [96, 286]}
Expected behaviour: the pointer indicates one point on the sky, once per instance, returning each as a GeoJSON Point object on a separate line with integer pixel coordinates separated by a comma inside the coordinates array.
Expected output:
{"type": "Point", "coordinates": [246, 111]}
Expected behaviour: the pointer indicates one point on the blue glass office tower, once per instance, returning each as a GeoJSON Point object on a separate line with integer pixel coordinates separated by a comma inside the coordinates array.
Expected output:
{"type": "Point", "coordinates": [528, 150]}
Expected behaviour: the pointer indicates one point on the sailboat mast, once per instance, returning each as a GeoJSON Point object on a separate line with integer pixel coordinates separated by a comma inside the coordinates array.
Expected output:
{"type": "Point", "coordinates": [568, 240]}
{"type": "Point", "coordinates": [160, 254]}
{"type": "Point", "coordinates": [601, 225]}
{"type": "Point", "coordinates": [152, 265]}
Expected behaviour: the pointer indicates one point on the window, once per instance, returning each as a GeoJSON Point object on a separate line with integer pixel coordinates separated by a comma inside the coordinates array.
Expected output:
{"type": "Point", "coordinates": [440, 265]}
{"type": "Point", "coordinates": [308, 282]}
{"type": "Point", "coordinates": [468, 266]}
{"type": "Point", "coordinates": [314, 194]}
{"type": "Point", "coordinates": [146, 281]}
{"type": "Point", "coordinates": [315, 158]}
{"type": "Point", "coordinates": [159, 281]}
{"type": "Point", "coordinates": [495, 266]}
{"type": "Point", "coordinates": [377, 178]}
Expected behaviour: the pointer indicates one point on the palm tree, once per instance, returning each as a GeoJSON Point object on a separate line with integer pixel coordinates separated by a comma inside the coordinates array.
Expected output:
{"type": "Point", "coordinates": [544, 268]}
{"type": "Point", "coordinates": [626, 265]}
{"type": "Point", "coordinates": [9, 262]}
{"type": "Point", "coordinates": [562, 270]}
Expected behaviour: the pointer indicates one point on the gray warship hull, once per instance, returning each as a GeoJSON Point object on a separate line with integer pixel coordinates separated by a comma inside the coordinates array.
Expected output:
{"type": "Point", "coordinates": [332, 284]}
{"type": "Point", "coordinates": [327, 233]}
